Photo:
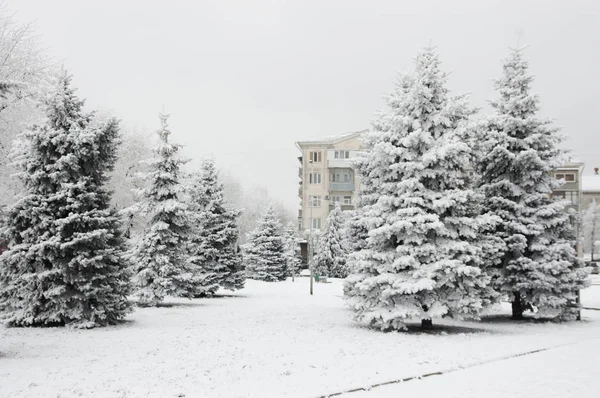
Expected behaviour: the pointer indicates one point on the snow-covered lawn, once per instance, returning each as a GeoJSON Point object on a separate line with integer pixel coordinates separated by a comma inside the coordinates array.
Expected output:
{"type": "Point", "coordinates": [268, 340]}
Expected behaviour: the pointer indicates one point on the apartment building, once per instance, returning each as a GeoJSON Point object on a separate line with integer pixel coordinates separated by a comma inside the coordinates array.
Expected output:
{"type": "Point", "coordinates": [326, 178]}
{"type": "Point", "coordinates": [571, 189]}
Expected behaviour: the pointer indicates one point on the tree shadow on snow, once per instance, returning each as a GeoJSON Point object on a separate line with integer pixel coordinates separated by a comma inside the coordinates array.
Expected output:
{"type": "Point", "coordinates": [225, 296]}
{"type": "Point", "coordinates": [178, 304]}
{"type": "Point", "coordinates": [443, 329]}
{"type": "Point", "coordinates": [507, 319]}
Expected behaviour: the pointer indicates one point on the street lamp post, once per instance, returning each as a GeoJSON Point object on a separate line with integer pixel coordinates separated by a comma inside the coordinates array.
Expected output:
{"type": "Point", "coordinates": [310, 246]}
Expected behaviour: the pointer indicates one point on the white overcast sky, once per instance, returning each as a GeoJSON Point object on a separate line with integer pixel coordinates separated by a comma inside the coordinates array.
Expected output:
{"type": "Point", "coordinates": [244, 79]}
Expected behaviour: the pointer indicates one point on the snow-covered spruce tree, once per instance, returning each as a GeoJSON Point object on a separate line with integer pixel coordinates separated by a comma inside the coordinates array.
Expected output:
{"type": "Point", "coordinates": [539, 266]}
{"type": "Point", "coordinates": [264, 253]}
{"type": "Point", "coordinates": [160, 257]}
{"type": "Point", "coordinates": [292, 250]}
{"type": "Point", "coordinates": [423, 257]}
{"type": "Point", "coordinates": [332, 252]}
{"type": "Point", "coordinates": [591, 229]}
{"type": "Point", "coordinates": [66, 258]}
{"type": "Point", "coordinates": [214, 259]}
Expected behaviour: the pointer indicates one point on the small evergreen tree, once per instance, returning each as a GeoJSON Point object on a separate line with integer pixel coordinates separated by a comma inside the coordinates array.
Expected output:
{"type": "Point", "coordinates": [292, 250]}
{"type": "Point", "coordinates": [539, 266]}
{"type": "Point", "coordinates": [212, 246]}
{"type": "Point", "coordinates": [161, 258]}
{"type": "Point", "coordinates": [591, 228]}
{"type": "Point", "coordinates": [331, 258]}
{"type": "Point", "coordinates": [264, 254]}
{"type": "Point", "coordinates": [422, 257]}
{"type": "Point", "coordinates": [65, 263]}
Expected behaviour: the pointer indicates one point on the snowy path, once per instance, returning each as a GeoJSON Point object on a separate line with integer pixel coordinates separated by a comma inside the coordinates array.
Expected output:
{"type": "Point", "coordinates": [569, 371]}
{"type": "Point", "coordinates": [268, 340]}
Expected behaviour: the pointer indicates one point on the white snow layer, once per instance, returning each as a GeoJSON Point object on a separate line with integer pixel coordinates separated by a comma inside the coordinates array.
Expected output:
{"type": "Point", "coordinates": [274, 339]}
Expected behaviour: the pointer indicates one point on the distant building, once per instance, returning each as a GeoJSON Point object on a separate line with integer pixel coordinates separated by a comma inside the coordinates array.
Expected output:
{"type": "Point", "coordinates": [590, 187]}
{"type": "Point", "coordinates": [571, 189]}
{"type": "Point", "coordinates": [326, 178]}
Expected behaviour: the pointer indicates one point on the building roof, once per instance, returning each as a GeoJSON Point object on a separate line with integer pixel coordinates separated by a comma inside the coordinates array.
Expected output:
{"type": "Point", "coordinates": [572, 165]}
{"type": "Point", "coordinates": [332, 139]}
{"type": "Point", "coordinates": [590, 183]}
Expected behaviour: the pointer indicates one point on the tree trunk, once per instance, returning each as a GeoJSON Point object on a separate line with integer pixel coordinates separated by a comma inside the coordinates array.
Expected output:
{"type": "Point", "coordinates": [517, 307]}
{"type": "Point", "coordinates": [426, 324]}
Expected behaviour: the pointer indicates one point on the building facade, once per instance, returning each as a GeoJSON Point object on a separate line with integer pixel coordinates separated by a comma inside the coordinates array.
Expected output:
{"type": "Point", "coordinates": [571, 189]}
{"type": "Point", "coordinates": [326, 178]}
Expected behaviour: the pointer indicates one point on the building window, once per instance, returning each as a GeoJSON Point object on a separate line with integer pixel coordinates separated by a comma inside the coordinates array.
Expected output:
{"type": "Point", "coordinates": [347, 200]}
{"type": "Point", "coordinates": [315, 178]}
{"type": "Point", "coordinates": [568, 177]}
{"type": "Point", "coordinates": [335, 199]}
{"type": "Point", "coordinates": [314, 201]}
{"type": "Point", "coordinates": [341, 154]}
{"type": "Point", "coordinates": [315, 157]}
{"type": "Point", "coordinates": [299, 225]}
{"type": "Point", "coordinates": [316, 223]}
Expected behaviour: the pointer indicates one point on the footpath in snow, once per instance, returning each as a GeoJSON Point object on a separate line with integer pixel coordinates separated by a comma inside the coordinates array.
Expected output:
{"type": "Point", "coordinates": [274, 339]}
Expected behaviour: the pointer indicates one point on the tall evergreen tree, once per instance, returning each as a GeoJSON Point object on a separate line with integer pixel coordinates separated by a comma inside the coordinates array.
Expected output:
{"type": "Point", "coordinates": [65, 263]}
{"type": "Point", "coordinates": [422, 258]}
{"type": "Point", "coordinates": [161, 260]}
{"type": "Point", "coordinates": [331, 258]}
{"type": "Point", "coordinates": [264, 254]}
{"type": "Point", "coordinates": [213, 243]}
{"type": "Point", "coordinates": [539, 266]}
{"type": "Point", "coordinates": [292, 250]}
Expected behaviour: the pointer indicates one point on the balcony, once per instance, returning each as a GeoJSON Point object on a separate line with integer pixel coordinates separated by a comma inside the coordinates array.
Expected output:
{"type": "Point", "coordinates": [339, 163]}
{"type": "Point", "coordinates": [344, 207]}
{"type": "Point", "coordinates": [299, 213]}
{"type": "Point", "coordinates": [300, 173]}
{"type": "Point", "coordinates": [300, 191]}
{"type": "Point", "coordinates": [341, 186]}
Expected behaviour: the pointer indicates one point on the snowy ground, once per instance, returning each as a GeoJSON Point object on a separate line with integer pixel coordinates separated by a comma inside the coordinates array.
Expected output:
{"type": "Point", "coordinates": [273, 340]}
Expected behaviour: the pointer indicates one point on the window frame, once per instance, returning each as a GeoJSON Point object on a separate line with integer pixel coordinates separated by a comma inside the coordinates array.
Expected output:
{"type": "Point", "coordinates": [314, 201]}
{"type": "Point", "coordinates": [315, 156]}
{"type": "Point", "coordinates": [315, 178]}
{"type": "Point", "coordinates": [316, 223]}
